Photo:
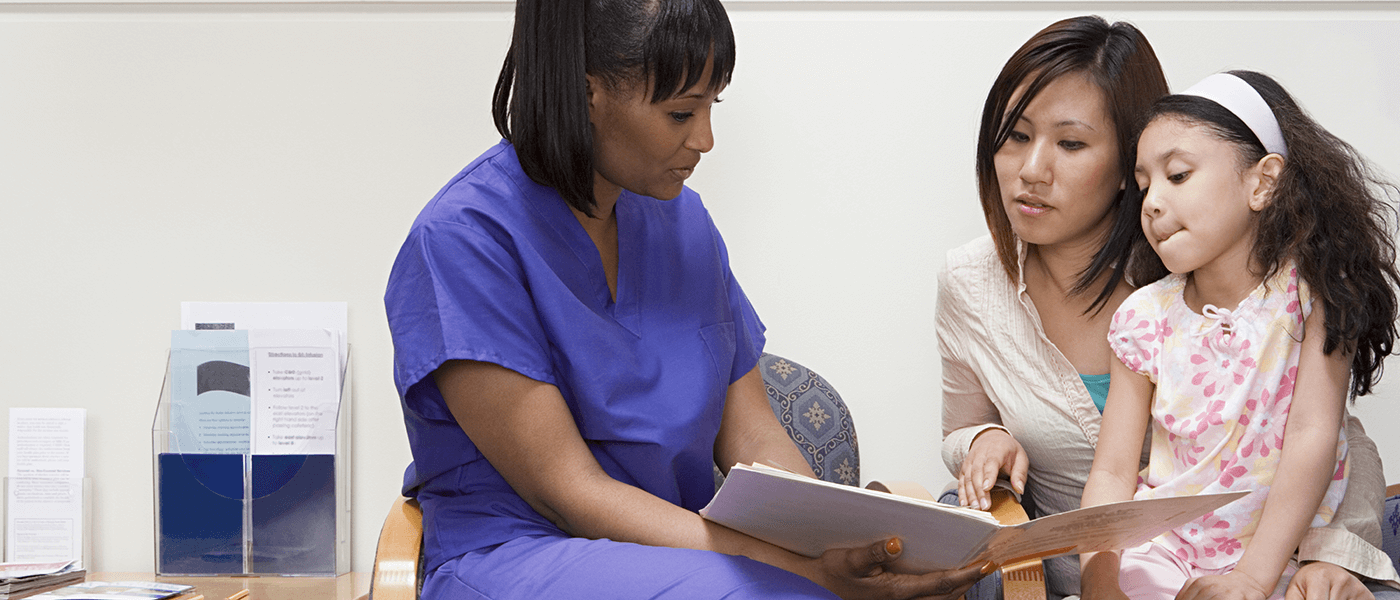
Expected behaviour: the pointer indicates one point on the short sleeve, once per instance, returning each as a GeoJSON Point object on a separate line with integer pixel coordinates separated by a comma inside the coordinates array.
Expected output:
{"type": "Point", "coordinates": [748, 329]}
{"type": "Point", "coordinates": [1136, 333]}
{"type": "Point", "coordinates": [457, 292]}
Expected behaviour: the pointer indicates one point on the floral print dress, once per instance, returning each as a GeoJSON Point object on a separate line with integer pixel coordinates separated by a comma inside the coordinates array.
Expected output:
{"type": "Point", "coordinates": [1224, 383]}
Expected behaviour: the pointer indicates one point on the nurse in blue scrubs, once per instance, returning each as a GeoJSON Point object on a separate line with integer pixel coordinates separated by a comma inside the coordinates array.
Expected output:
{"type": "Point", "coordinates": [572, 352]}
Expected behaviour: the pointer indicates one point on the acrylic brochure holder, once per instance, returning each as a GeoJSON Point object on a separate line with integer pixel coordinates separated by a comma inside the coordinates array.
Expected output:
{"type": "Point", "coordinates": [240, 512]}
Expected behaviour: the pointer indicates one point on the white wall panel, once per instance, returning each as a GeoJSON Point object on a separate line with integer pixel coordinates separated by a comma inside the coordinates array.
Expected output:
{"type": "Point", "coordinates": [157, 152]}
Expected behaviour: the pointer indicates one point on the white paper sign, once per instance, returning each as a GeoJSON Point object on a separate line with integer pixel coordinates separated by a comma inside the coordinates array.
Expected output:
{"type": "Point", "coordinates": [270, 315]}
{"type": "Point", "coordinates": [296, 391]}
{"type": "Point", "coordinates": [44, 492]}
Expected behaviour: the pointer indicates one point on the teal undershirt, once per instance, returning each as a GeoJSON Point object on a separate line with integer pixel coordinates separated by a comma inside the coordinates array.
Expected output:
{"type": "Point", "coordinates": [1098, 388]}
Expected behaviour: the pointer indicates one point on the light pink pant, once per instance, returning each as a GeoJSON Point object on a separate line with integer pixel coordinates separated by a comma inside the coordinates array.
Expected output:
{"type": "Point", "coordinates": [1151, 572]}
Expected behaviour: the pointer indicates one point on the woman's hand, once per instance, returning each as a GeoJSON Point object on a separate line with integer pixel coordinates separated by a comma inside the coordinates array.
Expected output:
{"type": "Point", "coordinates": [1235, 585]}
{"type": "Point", "coordinates": [993, 452]}
{"type": "Point", "coordinates": [856, 573]}
{"type": "Point", "coordinates": [1326, 581]}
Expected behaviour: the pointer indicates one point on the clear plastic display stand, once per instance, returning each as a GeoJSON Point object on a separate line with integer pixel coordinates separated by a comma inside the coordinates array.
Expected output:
{"type": "Point", "coordinates": [251, 514]}
{"type": "Point", "coordinates": [38, 532]}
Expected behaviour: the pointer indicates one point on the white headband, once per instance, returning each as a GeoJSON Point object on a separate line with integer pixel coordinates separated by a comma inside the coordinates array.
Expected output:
{"type": "Point", "coordinates": [1244, 101]}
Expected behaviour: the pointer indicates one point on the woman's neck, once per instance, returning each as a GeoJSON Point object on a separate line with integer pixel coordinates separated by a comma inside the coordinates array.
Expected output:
{"type": "Point", "coordinates": [1059, 265]}
{"type": "Point", "coordinates": [602, 230]}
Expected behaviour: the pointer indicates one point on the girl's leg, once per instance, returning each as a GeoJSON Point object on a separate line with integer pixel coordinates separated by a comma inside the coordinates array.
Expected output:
{"type": "Point", "coordinates": [1151, 572]}
{"type": "Point", "coordinates": [564, 568]}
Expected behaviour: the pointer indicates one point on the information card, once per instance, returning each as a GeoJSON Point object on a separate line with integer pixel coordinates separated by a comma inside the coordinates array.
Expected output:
{"type": "Point", "coordinates": [44, 488]}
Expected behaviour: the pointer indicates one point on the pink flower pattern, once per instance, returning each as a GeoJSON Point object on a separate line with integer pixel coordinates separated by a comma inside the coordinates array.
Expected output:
{"type": "Point", "coordinates": [1224, 385]}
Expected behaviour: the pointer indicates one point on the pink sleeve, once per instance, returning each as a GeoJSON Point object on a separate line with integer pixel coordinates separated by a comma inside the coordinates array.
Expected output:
{"type": "Point", "coordinates": [1136, 333]}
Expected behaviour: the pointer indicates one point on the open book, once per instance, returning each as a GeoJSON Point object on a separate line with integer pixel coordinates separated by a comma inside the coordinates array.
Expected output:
{"type": "Point", "coordinates": [809, 516]}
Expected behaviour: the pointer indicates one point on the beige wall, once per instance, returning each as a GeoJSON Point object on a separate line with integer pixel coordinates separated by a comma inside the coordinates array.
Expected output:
{"type": "Point", "coordinates": [154, 152]}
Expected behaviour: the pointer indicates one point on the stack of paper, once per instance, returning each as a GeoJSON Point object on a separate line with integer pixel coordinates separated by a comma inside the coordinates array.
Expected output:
{"type": "Point", "coordinates": [20, 580]}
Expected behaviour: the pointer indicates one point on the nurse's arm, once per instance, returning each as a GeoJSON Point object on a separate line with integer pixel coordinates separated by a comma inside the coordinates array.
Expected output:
{"type": "Point", "coordinates": [524, 428]}
{"type": "Point", "coordinates": [750, 433]}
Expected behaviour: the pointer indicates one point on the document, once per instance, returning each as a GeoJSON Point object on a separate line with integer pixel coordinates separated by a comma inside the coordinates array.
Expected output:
{"type": "Point", "coordinates": [47, 442]}
{"type": "Point", "coordinates": [332, 316]}
{"type": "Point", "coordinates": [117, 590]}
{"type": "Point", "coordinates": [296, 390]}
{"type": "Point", "coordinates": [44, 491]}
{"type": "Point", "coordinates": [210, 392]}
{"type": "Point", "coordinates": [809, 516]}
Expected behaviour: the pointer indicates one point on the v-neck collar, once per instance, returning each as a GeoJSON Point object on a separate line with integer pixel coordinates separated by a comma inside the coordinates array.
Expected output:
{"type": "Point", "coordinates": [624, 309]}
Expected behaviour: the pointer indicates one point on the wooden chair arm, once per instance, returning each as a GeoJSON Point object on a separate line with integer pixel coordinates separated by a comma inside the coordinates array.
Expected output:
{"type": "Point", "coordinates": [396, 556]}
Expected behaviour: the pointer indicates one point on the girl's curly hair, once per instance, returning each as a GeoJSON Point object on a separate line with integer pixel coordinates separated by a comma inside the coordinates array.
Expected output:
{"type": "Point", "coordinates": [1331, 214]}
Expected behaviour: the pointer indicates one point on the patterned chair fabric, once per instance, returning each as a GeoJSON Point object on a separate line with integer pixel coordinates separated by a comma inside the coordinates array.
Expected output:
{"type": "Point", "coordinates": [1390, 526]}
{"type": "Point", "coordinates": [815, 417]}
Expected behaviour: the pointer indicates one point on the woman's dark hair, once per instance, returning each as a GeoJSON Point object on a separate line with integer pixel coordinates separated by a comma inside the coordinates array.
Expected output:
{"type": "Point", "coordinates": [1120, 62]}
{"type": "Point", "coordinates": [541, 100]}
{"type": "Point", "coordinates": [1330, 213]}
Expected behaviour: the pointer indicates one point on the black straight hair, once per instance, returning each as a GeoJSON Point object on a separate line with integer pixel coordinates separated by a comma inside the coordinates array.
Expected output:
{"type": "Point", "coordinates": [1122, 64]}
{"type": "Point", "coordinates": [541, 100]}
{"type": "Point", "coordinates": [1330, 214]}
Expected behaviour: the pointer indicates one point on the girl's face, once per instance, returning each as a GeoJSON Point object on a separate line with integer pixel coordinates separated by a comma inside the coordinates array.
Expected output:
{"type": "Point", "coordinates": [1058, 170]}
{"type": "Point", "coordinates": [645, 148]}
{"type": "Point", "coordinates": [1199, 208]}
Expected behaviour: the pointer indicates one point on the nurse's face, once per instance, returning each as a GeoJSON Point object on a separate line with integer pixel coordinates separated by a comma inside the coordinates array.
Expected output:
{"type": "Point", "coordinates": [645, 148]}
{"type": "Point", "coordinates": [1059, 169]}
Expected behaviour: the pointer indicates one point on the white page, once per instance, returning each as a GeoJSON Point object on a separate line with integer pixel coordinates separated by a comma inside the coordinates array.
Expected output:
{"type": "Point", "coordinates": [47, 442]}
{"type": "Point", "coordinates": [809, 516]}
{"type": "Point", "coordinates": [296, 391]}
{"type": "Point", "coordinates": [270, 315]}
{"type": "Point", "coordinates": [44, 493]}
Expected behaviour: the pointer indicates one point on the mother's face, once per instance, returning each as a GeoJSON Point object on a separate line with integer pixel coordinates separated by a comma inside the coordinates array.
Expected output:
{"type": "Point", "coordinates": [1059, 169]}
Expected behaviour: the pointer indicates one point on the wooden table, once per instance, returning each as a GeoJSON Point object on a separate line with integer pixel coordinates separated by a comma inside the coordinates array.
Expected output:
{"type": "Point", "coordinates": [350, 586]}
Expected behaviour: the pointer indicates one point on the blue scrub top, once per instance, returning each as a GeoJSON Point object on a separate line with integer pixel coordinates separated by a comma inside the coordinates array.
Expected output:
{"type": "Point", "coordinates": [496, 268]}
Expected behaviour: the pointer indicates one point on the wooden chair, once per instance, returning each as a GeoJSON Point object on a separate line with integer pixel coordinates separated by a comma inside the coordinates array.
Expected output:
{"type": "Point", "coordinates": [809, 409]}
{"type": "Point", "coordinates": [398, 553]}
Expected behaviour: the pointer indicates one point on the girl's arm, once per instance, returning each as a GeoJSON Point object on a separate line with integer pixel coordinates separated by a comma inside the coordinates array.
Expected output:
{"type": "Point", "coordinates": [1335, 556]}
{"type": "Point", "coordinates": [524, 428]}
{"type": "Point", "coordinates": [1305, 470]}
{"type": "Point", "coordinates": [1114, 475]}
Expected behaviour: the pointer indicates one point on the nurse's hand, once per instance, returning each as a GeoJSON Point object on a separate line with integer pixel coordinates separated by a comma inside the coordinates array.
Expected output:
{"type": "Point", "coordinates": [857, 573]}
{"type": "Point", "coordinates": [993, 452]}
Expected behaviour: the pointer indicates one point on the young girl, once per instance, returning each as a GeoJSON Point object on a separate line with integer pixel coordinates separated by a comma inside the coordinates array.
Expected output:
{"type": "Point", "coordinates": [1281, 302]}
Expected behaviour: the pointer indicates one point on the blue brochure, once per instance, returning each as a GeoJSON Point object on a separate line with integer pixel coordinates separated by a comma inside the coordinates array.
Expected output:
{"type": "Point", "coordinates": [210, 400]}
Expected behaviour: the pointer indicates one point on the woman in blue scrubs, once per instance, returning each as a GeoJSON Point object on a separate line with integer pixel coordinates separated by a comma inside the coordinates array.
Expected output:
{"type": "Point", "coordinates": [572, 352]}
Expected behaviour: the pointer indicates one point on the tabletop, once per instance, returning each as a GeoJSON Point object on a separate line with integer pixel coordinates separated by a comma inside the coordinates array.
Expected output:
{"type": "Point", "coordinates": [350, 586]}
